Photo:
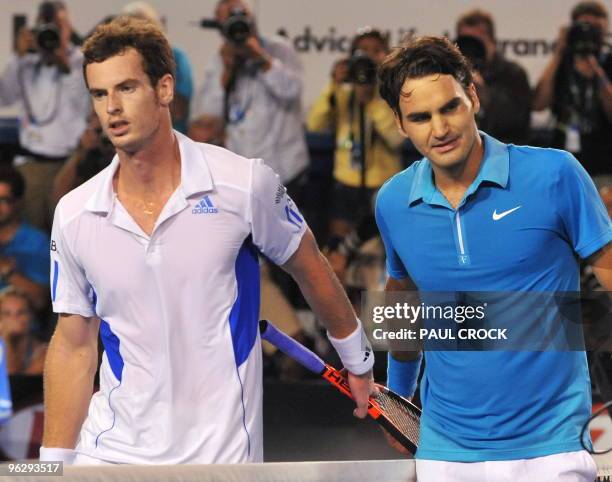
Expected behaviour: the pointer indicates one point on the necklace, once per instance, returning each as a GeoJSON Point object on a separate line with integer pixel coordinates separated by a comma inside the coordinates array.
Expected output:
{"type": "Point", "coordinates": [147, 207]}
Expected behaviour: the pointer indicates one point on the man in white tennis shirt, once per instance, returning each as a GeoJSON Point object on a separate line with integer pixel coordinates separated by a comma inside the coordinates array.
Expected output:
{"type": "Point", "coordinates": [158, 254]}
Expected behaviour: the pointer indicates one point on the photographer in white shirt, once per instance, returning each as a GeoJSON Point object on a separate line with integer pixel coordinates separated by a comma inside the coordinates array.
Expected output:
{"type": "Point", "coordinates": [44, 77]}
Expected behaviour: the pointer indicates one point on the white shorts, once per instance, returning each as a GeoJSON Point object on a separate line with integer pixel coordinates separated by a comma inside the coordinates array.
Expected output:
{"type": "Point", "coordinates": [565, 467]}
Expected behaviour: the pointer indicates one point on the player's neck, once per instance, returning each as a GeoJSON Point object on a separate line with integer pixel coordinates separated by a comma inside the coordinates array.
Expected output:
{"type": "Point", "coordinates": [156, 168]}
{"type": "Point", "coordinates": [453, 182]}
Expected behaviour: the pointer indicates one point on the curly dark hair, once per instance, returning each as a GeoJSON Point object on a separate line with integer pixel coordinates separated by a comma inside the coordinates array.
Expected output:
{"type": "Point", "coordinates": [113, 38]}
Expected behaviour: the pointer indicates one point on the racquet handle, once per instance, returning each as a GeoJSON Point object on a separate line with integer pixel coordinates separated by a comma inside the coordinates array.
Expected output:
{"type": "Point", "coordinates": [290, 347]}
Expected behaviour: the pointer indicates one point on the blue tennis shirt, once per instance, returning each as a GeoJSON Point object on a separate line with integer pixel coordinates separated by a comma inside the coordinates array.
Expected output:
{"type": "Point", "coordinates": [521, 226]}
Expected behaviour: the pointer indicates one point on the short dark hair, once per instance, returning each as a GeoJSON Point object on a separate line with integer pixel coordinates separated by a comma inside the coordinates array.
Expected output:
{"type": "Point", "coordinates": [476, 17]}
{"type": "Point", "coordinates": [47, 11]}
{"type": "Point", "coordinates": [11, 176]}
{"type": "Point", "coordinates": [126, 32]}
{"type": "Point", "coordinates": [419, 57]}
{"type": "Point", "coordinates": [590, 7]}
{"type": "Point", "coordinates": [368, 32]}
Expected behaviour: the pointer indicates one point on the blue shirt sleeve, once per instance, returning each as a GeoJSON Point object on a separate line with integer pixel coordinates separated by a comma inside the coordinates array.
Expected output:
{"type": "Point", "coordinates": [184, 77]}
{"type": "Point", "coordinates": [583, 213]}
{"type": "Point", "coordinates": [394, 264]}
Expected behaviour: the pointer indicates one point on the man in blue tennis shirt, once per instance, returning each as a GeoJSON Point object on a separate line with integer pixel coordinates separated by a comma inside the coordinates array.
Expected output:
{"type": "Point", "coordinates": [479, 215]}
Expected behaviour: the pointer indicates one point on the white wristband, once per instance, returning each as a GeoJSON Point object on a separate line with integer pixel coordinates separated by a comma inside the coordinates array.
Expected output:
{"type": "Point", "coordinates": [53, 454]}
{"type": "Point", "coordinates": [355, 351]}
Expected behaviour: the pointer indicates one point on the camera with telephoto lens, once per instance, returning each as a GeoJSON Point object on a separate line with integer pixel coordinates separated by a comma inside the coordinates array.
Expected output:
{"type": "Point", "coordinates": [237, 28]}
{"type": "Point", "coordinates": [584, 39]}
{"type": "Point", "coordinates": [46, 33]}
{"type": "Point", "coordinates": [474, 50]}
{"type": "Point", "coordinates": [361, 69]}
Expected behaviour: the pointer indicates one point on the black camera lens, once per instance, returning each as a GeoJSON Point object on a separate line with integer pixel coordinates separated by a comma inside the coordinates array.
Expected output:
{"type": "Point", "coordinates": [238, 27]}
{"type": "Point", "coordinates": [473, 49]}
{"type": "Point", "coordinates": [584, 39]}
{"type": "Point", "coordinates": [361, 69]}
{"type": "Point", "coordinates": [47, 37]}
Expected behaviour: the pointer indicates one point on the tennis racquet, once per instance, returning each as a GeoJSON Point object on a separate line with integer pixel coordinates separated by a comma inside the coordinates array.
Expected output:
{"type": "Point", "coordinates": [394, 413]}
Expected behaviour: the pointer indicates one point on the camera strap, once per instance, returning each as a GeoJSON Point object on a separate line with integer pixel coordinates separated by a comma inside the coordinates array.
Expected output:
{"type": "Point", "coordinates": [362, 141]}
{"type": "Point", "coordinates": [235, 109]}
{"type": "Point", "coordinates": [582, 103]}
{"type": "Point", "coordinates": [26, 99]}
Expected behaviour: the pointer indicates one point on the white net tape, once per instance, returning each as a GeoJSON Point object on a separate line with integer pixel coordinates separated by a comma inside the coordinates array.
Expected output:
{"type": "Point", "coordinates": [362, 471]}
{"type": "Point", "coordinates": [353, 471]}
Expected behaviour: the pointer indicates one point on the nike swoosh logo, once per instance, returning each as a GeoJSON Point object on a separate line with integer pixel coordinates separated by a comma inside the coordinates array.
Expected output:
{"type": "Point", "coordinates": [497, 217]}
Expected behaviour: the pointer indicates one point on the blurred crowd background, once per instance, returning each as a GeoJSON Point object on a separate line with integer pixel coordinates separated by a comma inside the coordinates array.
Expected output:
{"type": "Point", "coordinates": [326, 132]}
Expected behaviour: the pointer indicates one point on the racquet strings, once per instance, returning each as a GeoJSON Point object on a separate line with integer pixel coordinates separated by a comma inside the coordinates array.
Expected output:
{"type": "Point", "coordinates": [402, 416]}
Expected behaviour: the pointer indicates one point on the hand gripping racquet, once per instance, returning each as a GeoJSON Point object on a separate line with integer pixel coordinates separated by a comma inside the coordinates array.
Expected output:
{"type": "Point", "coordinates": [393, 412]}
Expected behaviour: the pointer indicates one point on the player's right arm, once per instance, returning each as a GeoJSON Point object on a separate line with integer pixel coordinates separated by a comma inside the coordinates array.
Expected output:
{"type": "Point", "coordinates": [70, 367]}
{"type": "Point", "coordinates": [403, 367]}
{"type": "Point", "coordinates": [72, 356]}
{"type": "Point", "coordinates": [405, 285]}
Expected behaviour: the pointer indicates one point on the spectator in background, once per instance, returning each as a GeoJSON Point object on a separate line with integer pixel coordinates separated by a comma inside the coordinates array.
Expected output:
{"type": "Point", "coordinates": [576, 86]}
{"type": "Point", "coordinates": [251, 100]}
{"type": "Point", "coordinates": [502, 85]}
{"type": "Point", "coordinates": [45, 78]}
{"type": "Point", "coordinates": [353, 87]}
{"type": "Point", "coordinates": [24, 250]}
{"type": "Point", "coordinates": [184, 83]}
{"type": "Point", "coordinates": [254, 88]}
{"type": "Point", "coordinates": [93, 154]}
{"type": "Point", "coordinates": [25, 354]}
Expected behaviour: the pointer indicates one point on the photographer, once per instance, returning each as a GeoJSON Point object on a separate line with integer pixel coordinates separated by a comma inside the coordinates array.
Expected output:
{"type": "Point", "coordinates": [576, 86]}
{"type": "Point", "coordinates": [45, 78]}
{"type": "Point", "coordinates": [367, 153]}
{"type": "Point", "coordinates": [93, 153]}
{"type": "Point", "coordinates": [502, 85]}
{"type": "Point", "coordinates": [254, 86]}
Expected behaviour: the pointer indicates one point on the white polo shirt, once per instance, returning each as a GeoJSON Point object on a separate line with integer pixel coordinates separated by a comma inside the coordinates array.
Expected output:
{"type": "Point", "coordinates": [180, 380]}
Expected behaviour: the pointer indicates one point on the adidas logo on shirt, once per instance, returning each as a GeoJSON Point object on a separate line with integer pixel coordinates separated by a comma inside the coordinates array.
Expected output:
{"type": "Point", "coordinates": [205, 206]}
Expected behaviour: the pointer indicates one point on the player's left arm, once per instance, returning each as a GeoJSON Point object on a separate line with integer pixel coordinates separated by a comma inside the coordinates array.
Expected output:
{"type": "Point", "coordinates": [327, 298]}
{"type": "Point", "coordinates": [601, 262]}
{"type": "Point", "coordinates": [585, 219]}
{"type": "Point", "coordinates": [319, 285]}
{"type": "Point", "coordinates": [280, 232]}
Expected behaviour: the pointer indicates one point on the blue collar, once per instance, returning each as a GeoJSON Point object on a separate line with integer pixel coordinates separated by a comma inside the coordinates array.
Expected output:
{"type": "Point", "coordinates": [494, 168]}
